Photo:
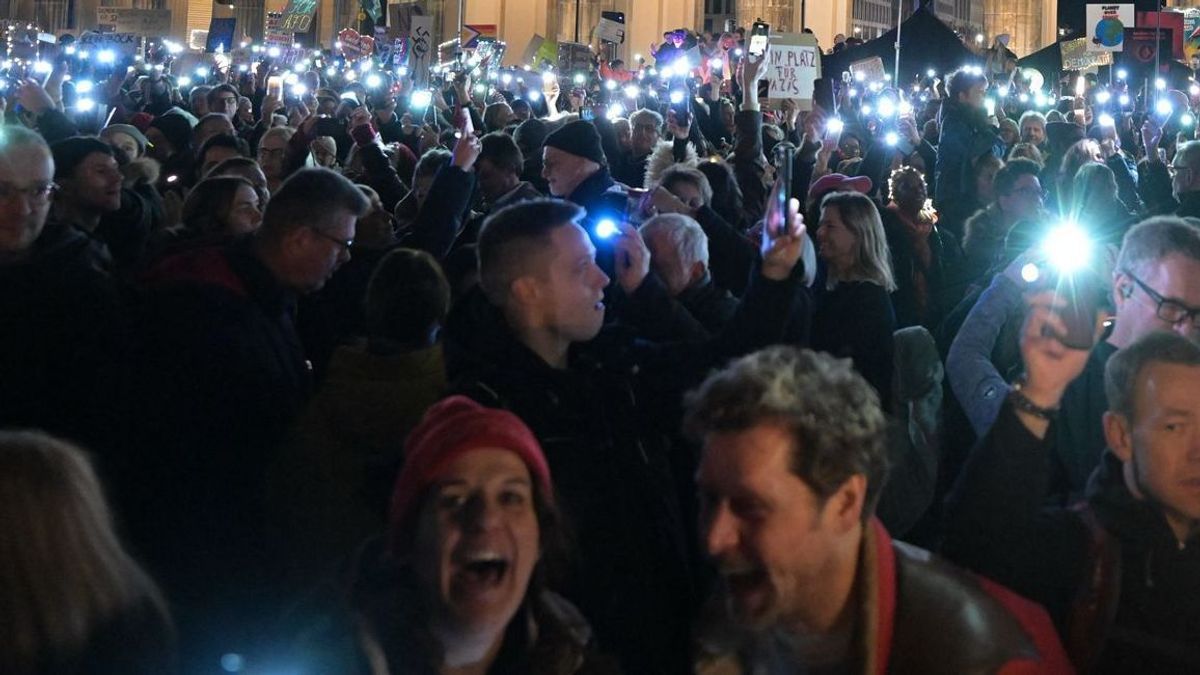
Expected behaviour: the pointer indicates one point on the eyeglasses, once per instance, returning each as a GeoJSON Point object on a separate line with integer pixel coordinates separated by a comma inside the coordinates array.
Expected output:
{"type": "Point", "coordinates": [37, 194]}
{"type": "Point", "coordinates": [346, 244]}
{"type": "Point", "coordinates": [225, 100]}
{"type": "Point", "coordinates": [1170, 311]}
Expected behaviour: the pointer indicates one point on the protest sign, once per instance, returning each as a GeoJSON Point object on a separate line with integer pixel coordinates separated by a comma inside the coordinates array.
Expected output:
{"type": "Point", "coordinates": [145, 22]}
{"type": "Point", "coordinates": [1077, 56]}
{"type": "Point", "coordinates": [872, 69]}
{"type": "Point", "coordinates": [220, 35]}
{"type": "Point", "coordinates": [1106, 26]}
{"type": "Point", "coordinates": [355, 45]}
{"type": "Point", "coordinates": [1172, 21]}
{"type": "Point", "coordinates": [420, 49]}
{"type": "Point", "coordinates": [611, 27]}
{"type": "Point", "coordinates": [298, 16]}
{"type": "Point", "coordinates": [793, 68]}
{"type": "Point", "coordinates": [126, 44]}
{"type": "Point", "coordinates": [273, 33]}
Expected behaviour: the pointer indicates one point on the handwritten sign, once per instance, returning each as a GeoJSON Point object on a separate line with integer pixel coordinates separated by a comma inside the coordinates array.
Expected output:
{"type": "Point", "coordinates": [1076, 56]}
{"type": "Point", "coordinates": [420, 48]}
{"type": "Point", "coordinates": [355, 45]}
{"type": "Point", "coordinates": [273, 30]}
{"type": "Point", "coordinates": [298, 16]}
{"type": "Point", "coordinates": [794, 66]}
{"type": "Point", "coordinates": [872, 69]}
{"type": "Point", "coordinates": [1106, 26]}
{"type": "Point", "coordinates": [147, 22]}
{"type": "Point", "coordinates": [123, 43]}
{"type": "Point", "coordinates": [612, 27]}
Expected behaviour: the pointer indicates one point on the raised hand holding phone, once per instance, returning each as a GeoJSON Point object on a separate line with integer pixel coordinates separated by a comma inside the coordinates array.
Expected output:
{"type": "Point", "coordinates": [632, 258]}
{"type": "Point", "coordinates": [783, 245]}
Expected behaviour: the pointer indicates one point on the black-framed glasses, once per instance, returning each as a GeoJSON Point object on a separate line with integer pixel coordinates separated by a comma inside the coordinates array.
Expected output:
{"type": "Point", "coordinates": [1169, 310]}
{"type": "Point", "coordinates": [37, 194]}
{"type": "Point", "coordinates": [346, 244]}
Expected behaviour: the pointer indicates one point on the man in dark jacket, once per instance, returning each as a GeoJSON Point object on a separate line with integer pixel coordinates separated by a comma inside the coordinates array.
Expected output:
{"type": "Point", "coordinates": [58, 303]}
{"type": "Point", "coordinates": [1121, 572]}
{"type": "Point", "coordinates": [793, 463]}
{"type": "Point", "coordinates": [966, 136]}
{"type": "Point", "coordinates": [576, 169]}
{"type": "Point", "coordinates": [498, 172]}
{"type": "Point", "coordinates": [603, 406]}
{"type": "Point", "coordinates": [219, 377]}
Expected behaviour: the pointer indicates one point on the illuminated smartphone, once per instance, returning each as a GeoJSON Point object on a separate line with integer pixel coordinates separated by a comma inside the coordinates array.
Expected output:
{"type": "Point", "coordinates": [759, 34]}
{"type": "Point", "coordinates": [275, 86]}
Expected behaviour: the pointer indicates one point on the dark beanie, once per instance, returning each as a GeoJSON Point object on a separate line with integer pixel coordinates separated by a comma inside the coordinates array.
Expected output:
{"type": "Point", "coordinates": [70, 152]}
{"type": "Point", "coordinates": [176, 128]}
{"type": "Point", "coordinates": [578, 138]}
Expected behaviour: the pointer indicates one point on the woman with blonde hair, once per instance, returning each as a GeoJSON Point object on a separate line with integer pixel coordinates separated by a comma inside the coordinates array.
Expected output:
{"type": "Point", "coordinates": [854, 317]}
{"type": "Point", "coordinates": [74, 599]}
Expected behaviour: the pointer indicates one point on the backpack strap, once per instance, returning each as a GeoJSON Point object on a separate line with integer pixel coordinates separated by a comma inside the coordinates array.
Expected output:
{"type": "Point", "coordinates": [1094, 608]}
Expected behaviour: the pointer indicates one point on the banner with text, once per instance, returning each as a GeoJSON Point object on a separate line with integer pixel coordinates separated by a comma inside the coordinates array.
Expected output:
{"type": "Point", "coordinates": [126, 44]}
{"type": "Point", "coordinates": [1106, 26]}
{"type": "Point", "coordinates": [420, 48]}
{"type": "Point", "coordinates": [795, 64]}
{"type": "Point", "coordinates": [146, 22]}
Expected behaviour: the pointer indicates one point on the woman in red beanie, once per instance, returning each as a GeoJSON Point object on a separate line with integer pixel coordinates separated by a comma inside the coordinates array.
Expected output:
{"type": "Point", "coordinates": [459, 583]}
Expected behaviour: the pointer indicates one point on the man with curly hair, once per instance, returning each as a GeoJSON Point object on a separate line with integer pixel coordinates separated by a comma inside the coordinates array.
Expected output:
{"type": "Point", "coordinates": [792, 467]}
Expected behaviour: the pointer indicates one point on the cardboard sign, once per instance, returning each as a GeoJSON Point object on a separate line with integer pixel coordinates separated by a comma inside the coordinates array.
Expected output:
{"type": "Point", "coordinates": [273, 33]}
{"type": "Point", "coordinates": [1077, 56]}
{"type": "Point", "coordinates": [573, 56]}
{"type": "Point", "coordinates": [298, 16]}
{"type": "Point", "coordinates": [1167, 21]}
{"type": "Point", "coordinates": [122, 43]}
{"type": "Point", "coordinates": [1106, 26]}
{"type": "Point", "coordinates": [420, 49]}
{"type": "Point", "coordinates": [795, 64]}
{"type": "Point", "coordinates": [872, 69]}
{"type": "Point", "coordinates": [354, 45]}
{"type": "Point", "coordinates": [611, 27]}
{"type": "Point", "coordinates": [145, 22]}
{"type": "Point", "coordinates": [1191, 33]}
{"type": "Point", "coordinates": [220, 35]}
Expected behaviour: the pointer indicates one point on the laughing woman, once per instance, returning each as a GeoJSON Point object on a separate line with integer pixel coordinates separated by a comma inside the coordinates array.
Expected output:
{"type": "Point", "coordinates": [458, 584]}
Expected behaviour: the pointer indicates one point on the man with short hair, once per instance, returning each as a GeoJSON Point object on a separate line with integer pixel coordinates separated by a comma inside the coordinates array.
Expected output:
{"type": "Point", "coordinates": [530, 340]}
{"type": "Point", "coordinates": [645, 131]}
{"type": "Point", "coordinates": [498, 174]}
{"type": "Point", "coordinates": [212, 124]}
{"type": "Point", "coordinates": [217, 149]}
{"type": "Point", "coordinates": [1019, 197]}
{"type": "Point", "coordinates": [1120, 572]}
{"type": "Point", "coordinates": [1033, 129]}
{"type": "Point", "coordinates": [679, 259]}
{"type": "Point", "coordinates": [793, 462]}
{"type": "Point", "coordinates": [198, 100]}
{"type": "Point", "coordinates": [58, 303]}
{"type": "Point", "coordinates": [966, 136]}
{"type": "Point", "coordinates": [223, 99]}
{"type": "Point", "coordinates": [1185, 179]}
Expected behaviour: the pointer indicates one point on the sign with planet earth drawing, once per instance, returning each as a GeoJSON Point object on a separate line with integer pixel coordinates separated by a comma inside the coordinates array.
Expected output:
{"type": "Point", "coordinates": [1106, 26]}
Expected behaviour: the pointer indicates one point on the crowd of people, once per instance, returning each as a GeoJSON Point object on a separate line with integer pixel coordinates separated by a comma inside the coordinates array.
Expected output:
{"type": "Point", "coordinates": [651, 374]}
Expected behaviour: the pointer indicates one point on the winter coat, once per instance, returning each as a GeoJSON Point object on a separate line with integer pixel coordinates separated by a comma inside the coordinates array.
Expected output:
{"type": "Point", "coordinates": [914, 613]}
{"type": "Point", "coordinates": [331, 484]}
{"type": "Point", "coordinates": [966, 136]}
{"type": "Point", "coordinates": [855, 320]}
{"type": "Point", "coordinates": [922, 302]}
{"type": "Point", "coordinates": [524, 191]}
{"type": "Point", "coordinates": [433, 226]}
{"type": "Point", "coordinates": [62, 330]}
{"type": "Point", "coordinates": [1111, 573]}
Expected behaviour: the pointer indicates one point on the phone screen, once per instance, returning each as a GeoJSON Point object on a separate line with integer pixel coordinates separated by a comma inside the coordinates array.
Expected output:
{"type": "Point", "coordinates": [780, 193]}
{"type": "Point", "coordinates": [758, 38]}
{"type": "Point", "coordinates": [275, 86]}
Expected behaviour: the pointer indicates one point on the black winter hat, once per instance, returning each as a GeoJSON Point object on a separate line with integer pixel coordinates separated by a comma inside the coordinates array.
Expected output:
{"type": "Point", "coordinates": [176, 128]}
{"type": "Point", "coordinates": [578, 138]}
{"type": "Point", "coordinates": [70, 152]}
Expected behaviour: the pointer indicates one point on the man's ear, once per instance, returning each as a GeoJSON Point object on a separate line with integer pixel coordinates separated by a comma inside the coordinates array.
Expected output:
{"type": "Point", "coordinates": [844, 507]}
{"type": "Point", "coordinates": [1119, 435]}
{"type": "Point", "coordinates": [525, 290]}
{"type": "Point", "coordinates": [1122, 289]}
{"type": "Point", "coordinates": [697, 272]}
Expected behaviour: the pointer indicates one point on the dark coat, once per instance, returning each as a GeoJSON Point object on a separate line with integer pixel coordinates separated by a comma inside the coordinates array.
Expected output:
{"type": "Point", "coordinates": [943, 282]}
{"type": "Point", "coordinates": [998, 526]}
{"type": "Point", "coordinates": [62, 328]}
{"type": "Point", "coordinates": [966, 136]}
{"type": "Point", "coordinates": [606, 425]}
{"type": "Point", "coordinates": [855, 320]}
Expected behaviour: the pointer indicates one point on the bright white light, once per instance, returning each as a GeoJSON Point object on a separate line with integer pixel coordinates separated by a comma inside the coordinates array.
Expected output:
{"type": "Point", "coordinates": [835, 125]}
{"type": "Point", "coordinates": [990, 105]}
{"type": "Point", "coordinates": [904, 108]}
{"type": "Point", "coordinates": [173, 47]}
{"type": "Point", "coordinates": [610, 85]}
{"type": "Point", "coordinates": [548, 77]}
{"type": "Point", "coordinates": [534, 95]}
{"type": "Point", "coordinates": [273, 52]}
{"type": "Point", "coordinates": [366, 65]}
{"type": "Point", "coordinates": [185, 81]}
{"type": "Point", "coordinates": [85, 105]}
{"type": "Point", "coordinates": [299, 89]}
{"type": "Point", "coordinates": [402, 71]}
{"type": "Point", "coordinates": [421, 99]}
{"type": "Point", "coordinates": [677, 97]}
{"type": "Point", "coordinates": [1160, 84]}
{"type": "Point", "coordinates": [860, 76]}
{"type": "Point", "coordinates": [875, 86]}
{"type": "Point", "coordinates": [737, 52]}
{"type": "Point", "coordinates": [979, 38]}
{"type": "Point", "coordinates": [1194, 90]}
{"type": "Point", "coordinates": [202, 72]}
{"type": "Point", "coordinates": [374, 81]}
{"type": "Point", "coordinates": [579, 78]}
{"type": "Point", "coordinates": [1040, 100]}
{"type": "Point", "coordinates": [1124, 99]}
{"type": "Point", "coordinates": [1103, 96]}
{"type": "Point", "coordinates": [1107, 120]}
{"type": "Point", "coordinates": [887, 108]}
{"type": "Point", "coordinates": [1122, 74]}
{"type": "Point", "coordinates": [1163, 107]}
{"type": "Point", "coordinates": [505, 79]}
{"type": "Point", "coordinates": [638, 57]}
{"type": "Point", "coordinates": [853, 92]}
{"type": "Point", "coordinates": [299, 68]}
{"type": "Point", "coordinates": [106, 56]}
{"type": "Point", "coordinates": [1030, 273]}
{"type": "Point", "coordinates": [479, 89]}
{"type": "Point", "coordinates": [330, 71]}
{"type": "Point", "coordinates": [715, 63]}
{"type": "Point", "coordinates": [652, 92]}
{"type": "Point", "coordinates": [632, 91]}
{"type": "Point", "coordinates": [615, 110]}
{"type": "Point", "coordinates": [243, 68]}
{"type": "Point", "coordinates": [1023, 98]}
{"type": "Point", "coordinates": [83, 87]}
{"type": "Point", "coordinates": [607, 229]}
{"type": "Point", "coordinates": [291, 78]}
{"type": "Point", "coordinates": [892, 138]}
{"type": "Point", "coordinates": [1187, 119]}
{"type": "Point", "coordinates": [931, 73]}
{"type": "Point", "coordinates": [866, 110]}
{"type": "Point", "coordinates": [1067, 247]}
{"type": "Point", "coordinates": [350, 75]}
{"type": "Point", "coordinates": [70, 50]}
{"type": "Point", "coordinates": [1003, 91]}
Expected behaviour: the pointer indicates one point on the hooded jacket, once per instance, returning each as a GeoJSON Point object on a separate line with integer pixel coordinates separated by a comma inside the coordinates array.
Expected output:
{"type": "Point", "coordinates": [1120, 587]}
{"type": "Point", "coordinates": [966, 136]}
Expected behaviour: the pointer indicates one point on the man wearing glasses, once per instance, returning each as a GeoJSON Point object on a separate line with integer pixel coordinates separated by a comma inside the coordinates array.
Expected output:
{"type": "Point", "coordinates": [1156, 287]}
{"type": "Point", "coordinates": [219, 376]}
{"type": "Point", "coordinates": [58, 304]}
{"type": "Point", "coordinates": [1185, 179]}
